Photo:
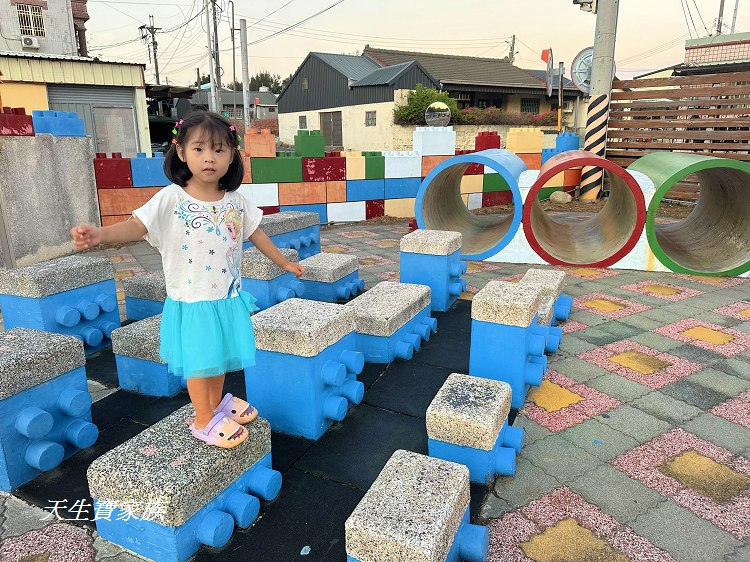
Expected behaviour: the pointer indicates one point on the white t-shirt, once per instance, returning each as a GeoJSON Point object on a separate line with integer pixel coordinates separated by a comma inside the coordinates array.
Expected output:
{"type": "Point", "coordinates": [200, 242]}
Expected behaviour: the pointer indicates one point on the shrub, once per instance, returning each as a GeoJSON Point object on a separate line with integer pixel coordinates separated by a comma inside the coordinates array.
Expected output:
{"type": "Point", "coordinates": [495, 116]}
{"type": "Point", "coordinates": [417, 102]}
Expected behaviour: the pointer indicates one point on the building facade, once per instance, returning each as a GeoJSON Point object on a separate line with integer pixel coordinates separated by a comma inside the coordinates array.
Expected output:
{"type": "Point", "coordinates": [42, 26]}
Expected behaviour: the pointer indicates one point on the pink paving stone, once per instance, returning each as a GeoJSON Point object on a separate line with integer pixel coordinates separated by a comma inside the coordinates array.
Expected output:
{"type": "Point", "coordinates": [339, 249]}
{"type": "Point", "coordinates": [676, 370]}
{"type": "Point", "coordinates": [357, 234]}
{"type": "Point", "coordinates": [598, 273]}
{"type": "Point", "coordinates": [593, 404]}
{"type": "Point", "coordinates": [733, 310]}
{"type": "Point", "coordinates": [373, 261]}
{"type": "Point", "coordinates": [570, 326]}
{"type": "Point", "coordinates": [479, 266]}
{"type": "Point", "coordinates": [684, 293]}
{"type": "Point", "coordinates": [506, 534]}
{"type": "Point", "coordinates": [63, 543]}
{"type": "Point", "coordinates": [740, 344]}
{"type": "Point", "coordinates": [643, 462]}
{"type": "Point", "coordinates": [736, 410]}
{"type": "Point", "coordinates": [728, 282]}
{"type": "Point", "coordinates": [512, 278]}
{"type": "Point", "coordinates": [383, 243]}
{"type": "Point", "coordinates": [388, 276]}
{"type": "Point", "coordinates": [630, 307]}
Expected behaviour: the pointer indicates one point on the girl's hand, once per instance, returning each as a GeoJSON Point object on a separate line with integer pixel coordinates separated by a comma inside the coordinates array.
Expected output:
{"type": "Point", "coordinates": [294, 268]}
{"type": "Point", "coordinates": [86, 236]}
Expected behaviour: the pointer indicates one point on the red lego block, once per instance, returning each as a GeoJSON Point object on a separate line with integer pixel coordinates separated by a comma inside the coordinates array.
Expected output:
{"type": "Point", "coordinates": [533, 160]}
{"type": "Point", "coordinates": [333, 154]}
{"type": "Point", "coordinates": [260, 143]}
{"type": "Point", "coordinates": [497, 198]}
{"type": "Point", "coordinates": [112, 173]}
{"type": "Point", "coordinates": [269, 210]}
{"type": "Point", "coordinates": [486, 140]}
{"type": "Point", "coordinates": [15, 123]}
{"type": "Point", "coordinates": [413, 225]}
{"type": "Point", "coordinates": [330, 168]}
{"type": "Point", "coordinates": [473, 169]}
{"type": "Point", "coordinates": [374, 208]}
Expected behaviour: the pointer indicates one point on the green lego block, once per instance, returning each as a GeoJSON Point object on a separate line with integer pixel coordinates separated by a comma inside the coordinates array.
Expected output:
{"type": "Point", "coordinates": [285, 168]}
{"type": "Point", "coordinates": [374, 165]}
{"type": "Point", "coordinates": [490, 183]}
{"type": "Point", "coordinates": [545, 192]}
{"type": "Point", "coordinates": [310, 144]}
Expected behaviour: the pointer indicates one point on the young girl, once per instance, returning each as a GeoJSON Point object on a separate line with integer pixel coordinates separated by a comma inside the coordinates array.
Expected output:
{"type": "Point", "coordinates": [198, 224]}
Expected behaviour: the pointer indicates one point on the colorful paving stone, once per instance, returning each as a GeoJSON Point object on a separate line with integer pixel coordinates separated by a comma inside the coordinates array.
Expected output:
{"type": "Point", "coordinates": [479, 266]}
{"type": "Point", "coordinates": [357, 234]}
{"type": "Point", "coordinates": [58, 542]}
{"type": "Point", "coordinates": [339, 249]}
{"type": "Point", "coordinates": [512, 278]}
{"type": "Point", "coordinates": [721, 340]}
{"type": "Point", "coordinates": [383, 243]}
{"type": "Point", "coordinates": [666, 291]}
{"type": "Point", "coordinates": [718, 282]}
{"type": "Point", "coordinates": [609, 306]}
{"type": "Point", "coordinates": [641, 364]}
{"type": "Point", "coordinates": [122, 258]}
{"type": "Point", "coordinates": [373, 260]}
{"type": "Point", "coordinates": [560, 402]}
{"type": "Point", "coordinates": [388, 276]}
{"type": "Point", "coordinates": [570, 326]}
{"type": "Point", "coordinates": [707, 479]}
{"type": "Point", "coordinates": [590, 273]}
{"type": "Point", "coordinates": [736, 410]}
{"type": "Point", "coordinates": [739, 310]}
{"type": "Point", "coordinates": [563, 527]}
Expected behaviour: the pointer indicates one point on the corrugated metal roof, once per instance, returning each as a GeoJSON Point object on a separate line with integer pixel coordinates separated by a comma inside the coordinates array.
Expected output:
{"type": "Point", "coordinates": [354, 67]}
{"type": "Point", "coordinates": [385, 75]}
{"type": "Point", "coordinates": [28, 55]}
{"type": "Point", "coordinates": [202, 97]}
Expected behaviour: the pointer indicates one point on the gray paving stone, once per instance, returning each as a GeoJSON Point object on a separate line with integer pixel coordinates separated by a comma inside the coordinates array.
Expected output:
{"type": "Point", "coordinates": [742, 554]}
{"type": "Point", "coordinates": [657, 341]}
{"type": "Point", "coordinates": [695, 394]}
{"type": "Point", "coordinates": [571, 345]}
{"type": "Point", "coordinates": [106, 550]}
{"type": "Point", "coordinates": [615, 493]}
{"type": "Point", "coordinates": [532, 430]}
{"type": "Point", "coordinates": [600, 440]}
{"type": "Point", "coordinates": [640, 321]}
{"type": "Point", "coordinates": [632, 421]}
{"type": "Point", "coordinates": [659, 315]}
{"type": "Point", "coordinates": [577, 369]}
{"type": "Point", "coordinates": [666, 408]}
{"type": "Point", "coordinates": [721, 432]}
{"type": "Point", "coordinates": [683, 534]}
{"type": "Point", "coordinates": [619, 387]}
{"type": "Point", "coordinates": [528, 484]}
{"type": "Point", "coordinates": [559, 457]}
{"type": "Point", "coordinates": [696, 354]}
{"type": "Point", "coordinates": [98, 390]}
{"type": "Point", "coordinates": [586, 317]}
{"type": "Point", "coordinates": [720, 382]}
{"type": "Point", "coordinates": [21, 517]}
{"type": "Point", "coordinates": [492, 508]}
{"type": "Point", "coordinates": [596, 336]}
{"type": "Point", "coordinates": [619, 329]}
{"type": "Point", "coordinates": [734, 366]}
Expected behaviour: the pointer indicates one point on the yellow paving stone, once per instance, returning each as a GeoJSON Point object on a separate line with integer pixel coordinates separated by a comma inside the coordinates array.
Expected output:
{"type": "Point", "coordinates": [467, 296]}
{"type": "Point", "coordinates": [661, 290]}
{"type": "Point", "coordinates": [745, 312]}
{"type": "Point", "coordinates": [123, 274]}
{"type": "Point", "coordinates": [706, 476]}
{"type": "Point", "coordinates": [584, 272]}
{"type": "Point", "coordinates": [604, 305]}
{"type": "Point", "coordinates": [368, 261]}
{"type": "Point", "coordinates": [335, 249]}
{"type": "Point", "coordinates": [708, 335]}
{"type": "Point", "coordinates": [710, 279]}
{"type": "Point", "coordinates": [640, 362]}
{"type": "Point", "coordinates": [567, 541]}
{"type": "Point", "coordinates": [553, 397]}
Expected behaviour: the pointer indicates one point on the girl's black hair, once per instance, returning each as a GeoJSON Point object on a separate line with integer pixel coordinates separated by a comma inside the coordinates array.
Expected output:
{"type": "Point", "coordinates": [216, 128]}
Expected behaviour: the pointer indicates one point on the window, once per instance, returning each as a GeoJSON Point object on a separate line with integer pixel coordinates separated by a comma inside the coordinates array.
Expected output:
{"type": "Point", "coordinates": [304, 83]}
{"type": "Point", "coordinates": [271, 110]}
{"type": "Point", "coordinates": [370, 118]}
{"type": "Point", "coordinates": [303, 122]}
{"type": "Point", "coordinates": [530, 105]}
{"type": "Point", "coordinates": [31, 20]}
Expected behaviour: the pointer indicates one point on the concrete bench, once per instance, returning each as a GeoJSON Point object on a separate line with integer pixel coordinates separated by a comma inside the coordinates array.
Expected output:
{"type": "Point", "coordinates": [167, 493]}
{"type": "Point", "coordinates": [329, 277]}
{"type": "Point", "coordinates": [144, 295]}
{"type": "Point", "coordinates": [44, 402]}
{"type": "Point", "coordinates": [551, 283]}
{"type": "Point", "coordinates": [74, 295]}
{"type": "Point", "coordinates": [306, 366]}
{"type": "Point", "coordinates": [297, 230]}
{"type": "Point", "coordinates": [545, 317]}
{"type": "Point", "coordinates": [266, 281]}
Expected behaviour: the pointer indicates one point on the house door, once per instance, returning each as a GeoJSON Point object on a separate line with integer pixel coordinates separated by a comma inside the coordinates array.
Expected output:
{"type": "Point", "coordinates": [330, 126]}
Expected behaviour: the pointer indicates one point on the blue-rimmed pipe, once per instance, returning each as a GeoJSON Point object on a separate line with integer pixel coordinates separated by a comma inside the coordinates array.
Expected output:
{"type": "Point", "coordinates": [284, 293]}
{"type": "Point", "coordinates": [430, 322]}
{"type": "Point", "coordinates": [343, 292]}
{"type": "Point", "coordinates": [562, 307]}
{"type": "Point", "coordinates": [439, 205]}
{"type": "Point", "coordinates": [89, 310]}
{"type": "Point", "coordinates": [107, 327]}
{"type": "Point", "coordinates": [535, 344]}
{"type": "Point", "coordinates": [92, 336]}
{"type": "Point", "coordinates": [413, 340]}
{"type": "Point", "coordinates": [423, 331]}
{"type": "Point", "coordinates": [298, 287]}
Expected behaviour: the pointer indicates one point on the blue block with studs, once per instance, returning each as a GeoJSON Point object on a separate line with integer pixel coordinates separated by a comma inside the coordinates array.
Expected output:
{"type": "Point", "coordinates": [44, 402]}
{"type": "Point", "coordinates": [58, 123]}
{"type": "Point", "coordinates": [306, 366]}
{"type": "Point", "coordinates": [266, 281]}
{"type": "Point", "coordinates": [165, 494]}
{"type": "Point", "coordinates": [433, 258]}
{"type": "Point", "coordinates": [567, 141]}
{"type": "Point", "coordinates": [331, 277]}
{"type": "Point", "coordinates": [551, 283]}
{"type": "Point", "coordinates": [553, 335]}
{"type": "Point", "coordinates": [148, 172]}
{"type": "Point", "coordinates": [144, 295]}
{"type": "Point", "coordinates": [74, 295]}
{"type": "Point", "coordinates": [296, 230]}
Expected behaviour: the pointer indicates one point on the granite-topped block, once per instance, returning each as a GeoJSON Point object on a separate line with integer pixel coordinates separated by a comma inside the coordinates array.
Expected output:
{"type": "Point", "coordinates": [433, 242]}
{"type": "Point", "coordinates": [139, 340]}
{"type": "Point", "coordinates": [165, 465]}
{"type": "Point", "coordinates": [30, 357]}
{"type": "Point", "coordinates": [287, 221]}
{"type": "Point", "coordinates": [328, 267]}
{"type": "Point", "coordinates": [387, 306]}
{"type": "Point", "coordinates": [255, 265]}
{"type": "Point", "coordinates": [411, 513]}
{"type": "Point", "coordinates": [550, 281]}
{"type": "Point", "coordinates": [469, 411]}
{"type": "Point", "coordinates": [151, 286]}
{"type": "Point", "coordinates": [55, 276]}
{"type": "Point", "coordinates": [546, 311]}
{"type": "Point", "coordinates": [302, 327]}
{"type": "Point", "coordinates": [502, 302]}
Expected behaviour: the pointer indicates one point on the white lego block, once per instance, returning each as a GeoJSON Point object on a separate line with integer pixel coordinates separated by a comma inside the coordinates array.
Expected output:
{"type": "Point", "coordinates": [475, 201]}
{"type": "Point", "coordinates": [434, 141]}
{"type": "Point", "coordinates": [345, 212]}
{"type": "Point", "coordinates": [261, 194]}
{"type": "Point", "coordinates": [403, 164]}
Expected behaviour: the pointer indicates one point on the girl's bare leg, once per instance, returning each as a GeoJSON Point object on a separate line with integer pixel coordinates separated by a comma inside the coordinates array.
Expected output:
{"type": "Point", "coordinates": [216, 390]}
{"type": "Point", "coordinates": [199, 390]}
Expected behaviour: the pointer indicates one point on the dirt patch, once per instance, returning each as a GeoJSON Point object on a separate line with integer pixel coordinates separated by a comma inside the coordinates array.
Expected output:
{"type": "Point", "coordinates": [666, 209]}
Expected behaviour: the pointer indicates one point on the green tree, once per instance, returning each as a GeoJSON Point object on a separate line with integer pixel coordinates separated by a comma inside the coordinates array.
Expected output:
{"type": "Point", "coordinates": [286, 81]}
{"type": "Point", "coordinates": [417, 102]}
{"type": "Point", "coordinates": [265, 78]}
{"type": "Point", "coordinates": [205, 79]}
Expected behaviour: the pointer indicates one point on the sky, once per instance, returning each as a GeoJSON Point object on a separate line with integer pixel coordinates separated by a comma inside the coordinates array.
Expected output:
{"type": "Point", "coordinates": [650, 34]}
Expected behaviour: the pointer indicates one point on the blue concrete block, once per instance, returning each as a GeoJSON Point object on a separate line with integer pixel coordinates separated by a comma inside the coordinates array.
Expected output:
{"type": "Point", "coordinates": [402, 343]}
{"type": "Point", "coordinates": [483, 465]}
{"type": "Point", "coordinates": [508, 353]}
{"type": "Point", "coordinates": [548, 153]}
{"type": "Point", "coordinates": [58, 123]}
{"type": "Point", "coordinates": [138, 309]}
{"type": "Point", "coordinates": [320, 208]}
{"type": "Point", "coordinates": [344, 289]}
{"type": "Point", "coordinates": [305, 395]}
{"type": "Point", "coordinates": [365, 190]}
{"type": "Point", "coordinates": [401, 188]}
{"type": "Point", "coordinates": [148, 172]}
{"type": "Point", "coordinates": [305, 240]}
{"type": "Point", "coordinates": [567, 141]}
{"type": "Point", "coordinates": [269, 293]}
{"type": "Point", "coordinates": [147, 377]}
{"type": "Point", "coordinates": [212, 525]}
{"type": "Point", "coordinates": [43, 425]}
{"type": "Point", "coordinates": [441, 273]}
{"type": "Point", "coordinates": [89, 313]}
{"type": "Point", "coordinates": [563, 306]}
{"type": "Point", "coordinates": [552, 336]}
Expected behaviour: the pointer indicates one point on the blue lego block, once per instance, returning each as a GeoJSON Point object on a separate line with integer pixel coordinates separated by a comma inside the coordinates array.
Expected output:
{"type": "Point", "coordinates": [562, 307]}
{"type": "Point", "coordinates": [148, 172]}
{"type": "Point", "coordinates": [401, 188]}
{"type": "Point", "coordinates": [138, 309]}
{"type": "Point", "coordinates": [44, 425]}
{"type": "Point", "coordinates": [567, 141]}
{"type": "Point", "coordinates": [483, 465]}
{"type": "Point", "coordinates": [548, 153]}
{"type": "Point", "coordinates": [305, 395]}
{"type": "Point", "coordinates": [552, 336]}
{"type": "Point", "coordinates": [89, 313]}
{"type": "Point", "coordinates": [402, 343]}
{"type": "Point", "coordinates": [212, 525]}
{"type": "Point", "coordinates": [320, 208]}
{"type": "Point", "coordinates": [508, 353]}
{"type": "Point", "coordinates": [441, 273]}
{"type": "Point", "coordinates": [471, 543]}
{"type": "Point", "coordinates": [269, 293]}
{"type": "Point", "coordinates": [58, 123]}
{"type": "Point", "coordinates": [345, 288]}
{"type": "Point", "coordinates": [305, 240]}
{"type": "Point", "coordinates": [147, 377]}
{"type": "Point", "coordinates": [365, 190]}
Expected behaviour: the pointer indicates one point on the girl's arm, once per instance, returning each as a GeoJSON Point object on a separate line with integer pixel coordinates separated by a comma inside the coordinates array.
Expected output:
{"type": "Point", "coordinates": [86, 235]}
{"type": "Point", "coordinates": [261, 241]}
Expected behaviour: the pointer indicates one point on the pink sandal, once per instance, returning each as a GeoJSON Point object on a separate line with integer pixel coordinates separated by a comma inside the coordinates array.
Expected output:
{"type": "Point", "coordinates": [221, 432]}
{"type": "Point", "coordinates": [236, 409]}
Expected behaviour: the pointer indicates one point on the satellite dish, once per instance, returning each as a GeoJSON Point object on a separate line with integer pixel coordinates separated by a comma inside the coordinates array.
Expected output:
{"type": "Point", "coordinates": [438, 114]}
{"type": "Point", "coordinates": [580, 70]}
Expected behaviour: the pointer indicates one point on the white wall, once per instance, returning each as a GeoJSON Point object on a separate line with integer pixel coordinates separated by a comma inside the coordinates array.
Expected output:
{"type": "Point", "coordinates": [59, 36]}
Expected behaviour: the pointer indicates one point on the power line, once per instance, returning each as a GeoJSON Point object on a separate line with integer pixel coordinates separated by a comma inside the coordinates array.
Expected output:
{"type": "Point", "coordinates": [684, 13]}
{"type": "Point", "coordinates": [701, 17]}
{"type": "Point", "coordinates": [272, 13]}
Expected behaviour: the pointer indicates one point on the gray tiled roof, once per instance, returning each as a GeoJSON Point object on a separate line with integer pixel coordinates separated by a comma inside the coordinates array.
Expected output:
{"type": "Point", "coordinates": [385, 75]}
{"type": "Point", "coordinates": [542, 75]}
{"type": "Point", "coordinates": [354, 67]}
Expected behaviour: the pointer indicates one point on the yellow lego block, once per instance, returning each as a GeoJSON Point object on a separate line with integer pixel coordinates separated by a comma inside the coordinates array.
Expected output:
{"type": "Point", "coordinates": [355, 167]}
{"type": "Point", "coordinates": [403, 208]}
{"type": "Point", "coordinates": [556, 181]}
{"type": "Point", "coordinates": [349, 153]}
{"type": "Point", "coordinates": [524, 140]}
{"type": "Point", "coordinates": [472, 184]}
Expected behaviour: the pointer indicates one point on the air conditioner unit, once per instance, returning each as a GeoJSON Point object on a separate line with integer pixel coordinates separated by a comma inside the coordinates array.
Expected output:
{"type": "Point", "coordinates": [29, 42]}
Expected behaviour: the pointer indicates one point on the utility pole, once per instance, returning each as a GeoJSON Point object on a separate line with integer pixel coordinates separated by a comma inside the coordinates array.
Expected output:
{"type": "Point", "coordinates": [734, 18]}
{"type": "Point", "coordinates": [153, 45]}
{"type": "Point", "coordinates": [198, 78]}
{"type": "Point", "coordinates": [720, 22]}
{"type": "Point", "coordinates": [234, 66]}
{"type": "Point", "coordinates": [245, 74]}
{"type": "Point", "coordinates": [512, 54]}
{"type": "Point", "coordinates": [217, 74]}
{"type": "Point", "coordinates": [213, 106]}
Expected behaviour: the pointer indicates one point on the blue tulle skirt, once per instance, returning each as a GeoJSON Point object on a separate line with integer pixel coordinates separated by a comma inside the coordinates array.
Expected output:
{"type": "Point", "coordinates": [208, 338]}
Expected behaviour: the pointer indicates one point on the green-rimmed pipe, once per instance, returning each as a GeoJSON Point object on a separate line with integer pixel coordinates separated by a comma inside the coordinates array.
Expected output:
{"type": "Point", "coordinates": [714, 239]}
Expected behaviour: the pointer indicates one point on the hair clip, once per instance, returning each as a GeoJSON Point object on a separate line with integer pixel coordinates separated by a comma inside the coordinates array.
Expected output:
{"type": "Point", "coordinates": [231, 128]}
{"type": "Point", "coordinates": [174, 141]}
{"type": "Point", "coordinates": [178, 123]}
